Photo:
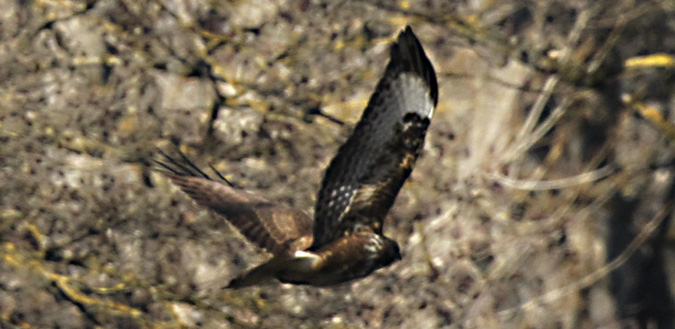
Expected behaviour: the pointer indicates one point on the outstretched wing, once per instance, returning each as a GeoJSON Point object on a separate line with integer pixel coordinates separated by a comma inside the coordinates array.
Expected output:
{"type": "Point", "coordinates": [274, 227]}
{"type": "Point", "coordinates": [362, 181]}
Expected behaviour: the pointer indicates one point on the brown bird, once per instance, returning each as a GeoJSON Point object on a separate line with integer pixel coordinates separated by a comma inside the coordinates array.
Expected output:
{"type": "Point", "coordinates": [344, 241]}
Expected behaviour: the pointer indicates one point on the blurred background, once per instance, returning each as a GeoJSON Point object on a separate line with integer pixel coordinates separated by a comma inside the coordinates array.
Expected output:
{"type": "Point", "coordinates": [542, 199]}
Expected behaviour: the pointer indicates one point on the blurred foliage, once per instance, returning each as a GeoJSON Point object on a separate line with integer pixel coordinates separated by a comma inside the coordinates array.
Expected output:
{"type": "Point", "coordinates": [543, 198]}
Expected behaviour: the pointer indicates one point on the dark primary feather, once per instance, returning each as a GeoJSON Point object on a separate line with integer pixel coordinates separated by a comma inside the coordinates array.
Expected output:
{"type": "Point", "coordinates": [362, 181]}
{"type": "Point", "coordinates": [274, 227]}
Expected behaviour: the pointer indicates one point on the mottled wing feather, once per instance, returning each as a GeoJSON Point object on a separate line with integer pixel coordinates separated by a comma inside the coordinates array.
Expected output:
{"type": "Point", "coordinates": [274, 227]}
{"type": "Point", "coordinates": [362, 181]}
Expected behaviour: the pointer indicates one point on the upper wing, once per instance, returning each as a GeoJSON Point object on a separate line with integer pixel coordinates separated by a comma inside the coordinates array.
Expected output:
{"type": "Point", "coordinates": [363, 179]}
{"type": "Point", "coordinates": [274, 227]}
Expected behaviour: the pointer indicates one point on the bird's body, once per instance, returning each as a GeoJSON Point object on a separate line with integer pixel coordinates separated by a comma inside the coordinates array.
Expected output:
{"type": "Point", "coordinates": [344, 241]}
{"type": "Point", "coordinates": [345, 259]}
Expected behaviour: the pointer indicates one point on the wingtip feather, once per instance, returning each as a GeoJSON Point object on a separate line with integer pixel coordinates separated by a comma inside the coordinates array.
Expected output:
{"type": "Point", "coordinates": [410, 55]}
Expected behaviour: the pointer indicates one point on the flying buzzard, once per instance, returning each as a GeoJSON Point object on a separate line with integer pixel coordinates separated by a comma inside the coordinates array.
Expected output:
{"type": "Point", "coordinates": [344, 241]}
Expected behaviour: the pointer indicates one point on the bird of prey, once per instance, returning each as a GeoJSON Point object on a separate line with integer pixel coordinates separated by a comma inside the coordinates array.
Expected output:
{"type": "Point", "coordinates": [344, 241]}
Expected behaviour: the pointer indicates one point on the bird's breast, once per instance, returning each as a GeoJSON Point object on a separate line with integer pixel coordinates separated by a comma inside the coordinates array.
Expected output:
{"type": "Point", "coordinates": [350, 257]}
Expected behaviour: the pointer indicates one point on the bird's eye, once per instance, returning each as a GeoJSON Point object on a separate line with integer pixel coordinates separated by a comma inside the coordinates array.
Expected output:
{"type": "Point", "coordinates": [411, 116]}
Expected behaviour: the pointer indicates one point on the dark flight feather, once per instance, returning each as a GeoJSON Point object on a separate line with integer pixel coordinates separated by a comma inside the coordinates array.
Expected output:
{"type": "Point", "coordinates": [277, 228]}
{"type": "Point", "coordinates": [362, 181]}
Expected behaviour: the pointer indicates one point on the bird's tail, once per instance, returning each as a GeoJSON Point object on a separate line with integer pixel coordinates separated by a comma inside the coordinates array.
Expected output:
{"type": "Point", "coordinates": [259, 275]}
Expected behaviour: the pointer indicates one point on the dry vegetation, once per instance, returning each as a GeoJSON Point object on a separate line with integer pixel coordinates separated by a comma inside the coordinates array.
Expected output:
{"type": "Point", "coordinates": [542, 200]}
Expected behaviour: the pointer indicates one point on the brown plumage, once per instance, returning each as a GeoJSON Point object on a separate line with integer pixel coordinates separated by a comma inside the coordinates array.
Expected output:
{"type": "Point", "coordinates": [344, 241]}
{"type": "Point", "coordinates": [363, 179]}
{"type": "Point", "coordinates": [274, 227]}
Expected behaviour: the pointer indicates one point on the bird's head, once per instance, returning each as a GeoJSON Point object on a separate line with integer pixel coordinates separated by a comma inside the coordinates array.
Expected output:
{"type": "Point", "coordinates": [390, 252]}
